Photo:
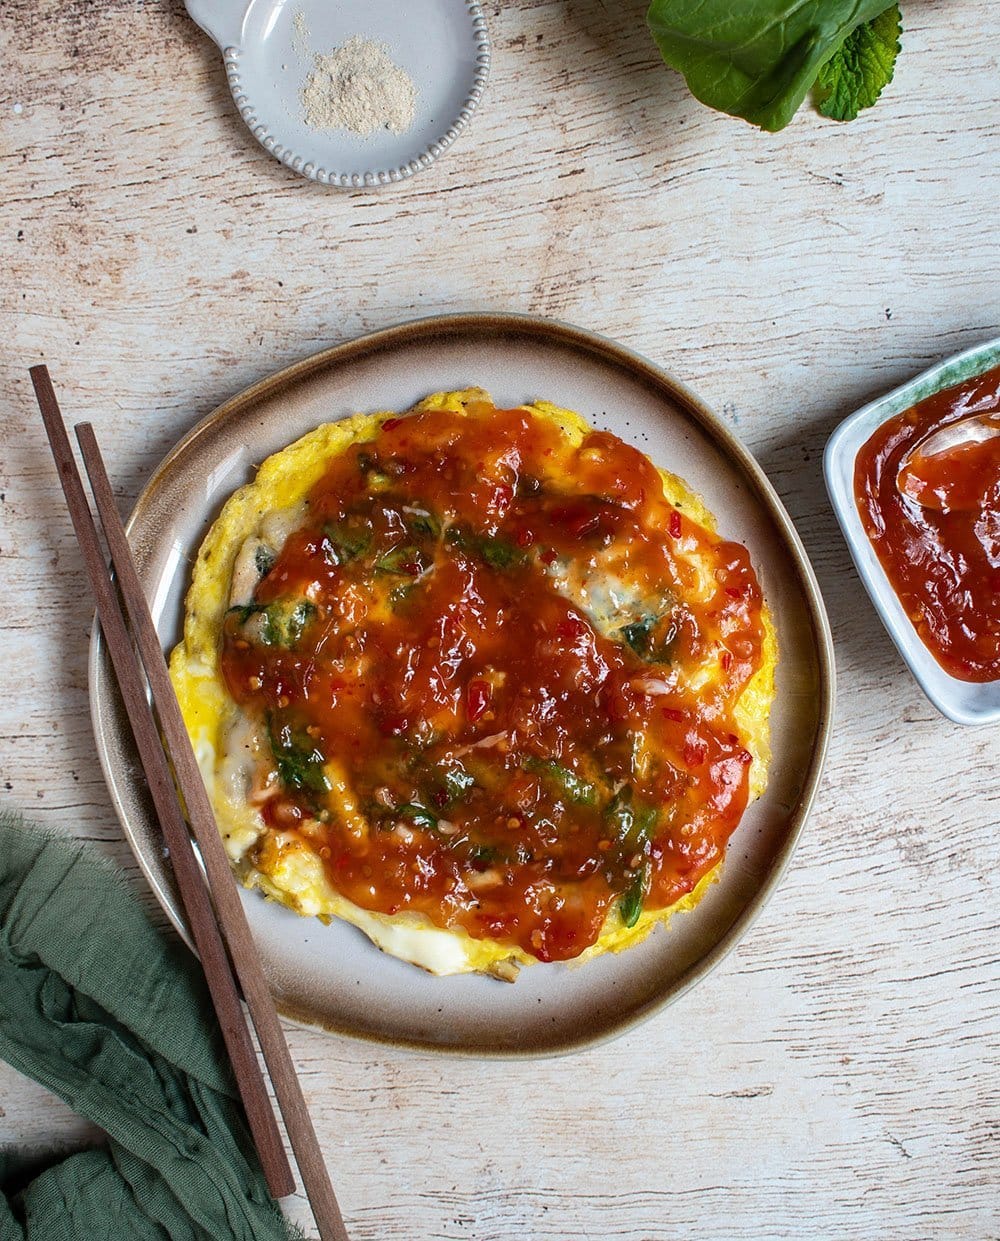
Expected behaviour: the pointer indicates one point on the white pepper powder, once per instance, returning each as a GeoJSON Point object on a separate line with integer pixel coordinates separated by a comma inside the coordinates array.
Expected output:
{"type": "Point", "coordinates": [359, 88]}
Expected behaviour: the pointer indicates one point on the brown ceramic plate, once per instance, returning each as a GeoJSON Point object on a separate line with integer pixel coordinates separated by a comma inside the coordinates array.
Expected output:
{"type": "Point", "coordinates": [332, 977]}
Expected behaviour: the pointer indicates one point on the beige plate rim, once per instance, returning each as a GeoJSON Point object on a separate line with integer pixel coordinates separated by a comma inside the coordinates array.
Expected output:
{"type": "Point", "coordinates": [557, 332]}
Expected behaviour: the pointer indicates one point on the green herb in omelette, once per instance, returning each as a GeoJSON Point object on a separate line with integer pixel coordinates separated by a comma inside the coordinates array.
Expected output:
{"type": "Point", "coordinates": [631, 825]}
{"type": "Point", "coordinates": [299, 760]}
{"type": "Point", "coordinates": [631, 900]}
{"type": "Point", "coordinates": [282, 623]}
{"type": "Point", "coordinates": [642, 637]}
{"type": "Point", "coordinates": [423, 525]}
{"type": "Point", "coordinates": [565, 781]}
{"type": "Point", "coordinates": [420, 816]}
{"type": "Point", "coordinates": [263, 559]}
{"type": "Point", "coordinates": [637, 636]}
{"type": "Point", "coordinates": [405, 561]}
{"type": "Point", "coordinates": [496, 552]}
{"type": "Point", "coordinates": [499, 553]}
{"type": "Point", "coordinates": [284, 626]}
{"type": "Point", "coordinates": [457, 782]}
{"type": "Point", "coordinates": [342, 544]}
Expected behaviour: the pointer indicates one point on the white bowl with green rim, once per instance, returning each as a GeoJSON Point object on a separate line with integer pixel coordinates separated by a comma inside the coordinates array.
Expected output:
{"type": "Point", "coordinates": [964, 702]}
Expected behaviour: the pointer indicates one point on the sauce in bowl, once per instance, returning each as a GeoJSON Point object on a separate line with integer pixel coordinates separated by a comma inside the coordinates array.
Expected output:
{"type": "Point", "coordinates": [940, 544]}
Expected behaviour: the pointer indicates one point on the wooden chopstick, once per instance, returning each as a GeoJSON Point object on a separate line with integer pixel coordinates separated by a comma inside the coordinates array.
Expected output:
{"type": "Point", "coordinates": [194, 894]}
{"type": "Point", "coordinates": [228, 906]}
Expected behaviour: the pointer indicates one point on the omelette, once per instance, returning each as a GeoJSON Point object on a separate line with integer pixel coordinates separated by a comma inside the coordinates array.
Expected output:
{"type": "Point", "coordinates": [484, 683]}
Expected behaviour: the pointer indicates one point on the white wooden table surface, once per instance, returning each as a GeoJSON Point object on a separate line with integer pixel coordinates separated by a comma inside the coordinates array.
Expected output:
{"type": "Point", "coordinates": [839, 1074]}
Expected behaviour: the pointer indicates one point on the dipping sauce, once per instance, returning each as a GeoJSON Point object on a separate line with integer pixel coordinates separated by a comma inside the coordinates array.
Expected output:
{"type": "Point", "coordinates": [940, 544]}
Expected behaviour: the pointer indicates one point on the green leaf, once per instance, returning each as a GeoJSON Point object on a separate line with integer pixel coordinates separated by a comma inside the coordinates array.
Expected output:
{"type": "Point", "coordinates": [263, 559]}
{"type": "Point", "coordinates": [284, 625]}
{"type": "Point", "coordinates": [631, 900]}
{"type": "Point", "coordinates": [342, 544]}
{"type": "Point", "coordinates": [856, 74]}
{"type": "Point", "coordinates": [641, 637]}
{"type": "Point", "coordinates": [243, 611]}
{"type": "Point", "coordinates": [405, 561]}
{"type": "Point", "coordinates": [484, 854]}
{"type": "Point", "coordinates": [457, 782]}
{"type": "Point", "coordinates": [399, 595]}
{"type": "Point", "coordinates": [420, 816]}
{"type": "Point", "coordinates": [423, 525]}
{"type": "Point", "coordinates": [281, 623]}
{"type": "Point", "coordinates": [299, 760]}
{"type": "Point", "coordinates": [566, 781]}
{"type": "Point", "coordinates": [499, 554]}
{"type": "Point", "coordinates": [637, 636]}
{"type": "Point", "coordinates": [756, 59]}
{"type": "Point", "coordinates": [631, 824]}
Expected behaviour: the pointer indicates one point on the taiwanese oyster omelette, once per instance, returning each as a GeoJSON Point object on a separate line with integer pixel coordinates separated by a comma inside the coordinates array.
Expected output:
{"type": "Point", "coordinates": [484, 683]}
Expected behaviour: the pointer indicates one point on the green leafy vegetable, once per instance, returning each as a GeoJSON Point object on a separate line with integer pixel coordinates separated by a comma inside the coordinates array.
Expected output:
{"type": "Point", "coordinates": [342, 544]}
{"type": "Point", "coordinates": [263, 559]}
{"type": "Point", "coordinates": [423, 525]}
{"type": "Point", "coordinates": [457, 782]}
{"type": "Point", "coordinates": [637, 636]}
{"type": "Point", "coordinates": [632, 825]}
{"type": "Point", "coordinates": [566, 781]}
{"type": "Point", "coordinates": [756, 59]}
{"type": "Point", "coordinates": [284, 626]}
{"type": "Point", "coordinates": [483, 854]}
{"type": "Point", "coordinates": [281, 624]}
{"type": "Point", "coordinates": [640, 635]}
{"type": "Point", "coordinates": [498, 553]}
{"type": "Point", "coordinates": [631, 900]}
{"type": "Point", "coordinates": [405, 561]}
{"type": "Point", "coordinates": [243, 611]}
{"type": "Point", "coordinates": [855, 75]}
{"type": "Point", "coordinates": [299, 760]}
{"type": "Point", "coordinates": [418, 815]}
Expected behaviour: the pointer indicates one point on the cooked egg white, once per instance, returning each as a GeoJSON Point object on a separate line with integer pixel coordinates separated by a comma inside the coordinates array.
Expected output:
{"type": "Point", "coordinates": [249, 531]}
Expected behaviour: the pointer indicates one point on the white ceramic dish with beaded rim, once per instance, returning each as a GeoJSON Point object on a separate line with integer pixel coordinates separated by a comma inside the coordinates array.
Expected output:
{"type": "Point", "coordinates": [268, 48]}
{"type": "Point", "coordinates": [963, 702]}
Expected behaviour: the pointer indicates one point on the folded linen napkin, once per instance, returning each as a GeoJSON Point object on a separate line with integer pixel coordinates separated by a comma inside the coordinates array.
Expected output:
{"type": "Point", "coordinates": [115, 1018]}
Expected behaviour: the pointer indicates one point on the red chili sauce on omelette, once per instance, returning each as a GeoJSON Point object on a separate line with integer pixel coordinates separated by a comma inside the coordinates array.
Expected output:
{"type": "Point", "coordinates": [940, 544]}
{"type": "Point", "coordinates": [515, 770]}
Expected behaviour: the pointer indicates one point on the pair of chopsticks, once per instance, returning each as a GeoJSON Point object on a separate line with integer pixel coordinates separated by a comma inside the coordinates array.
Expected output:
{"type": "Point", "coordinates": [214, 912]}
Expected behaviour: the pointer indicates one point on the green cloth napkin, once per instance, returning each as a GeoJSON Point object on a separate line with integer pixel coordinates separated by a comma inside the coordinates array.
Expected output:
{"type": "Point", "coordinates": [115, 1018]}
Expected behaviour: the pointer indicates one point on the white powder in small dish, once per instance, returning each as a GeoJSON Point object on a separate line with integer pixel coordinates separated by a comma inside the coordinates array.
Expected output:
{"type": "Point", "coordinates": [358, 87]}
{"type": "Point", "coordinates": [300, 33]}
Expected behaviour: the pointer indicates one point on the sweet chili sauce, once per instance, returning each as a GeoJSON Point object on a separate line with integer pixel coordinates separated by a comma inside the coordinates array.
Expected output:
{"type": "Point", "coordinates": [453, 733]}
{"type": "Point", "coordinates": [940, 543]}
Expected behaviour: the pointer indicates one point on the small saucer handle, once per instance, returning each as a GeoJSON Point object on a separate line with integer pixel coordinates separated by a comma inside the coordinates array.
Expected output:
{"type": "Point", "coordinates": [221, 20]}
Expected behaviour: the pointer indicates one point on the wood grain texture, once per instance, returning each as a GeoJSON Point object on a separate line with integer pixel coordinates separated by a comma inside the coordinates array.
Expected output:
{"type": "Point", "coordinates": [839, 1074]}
